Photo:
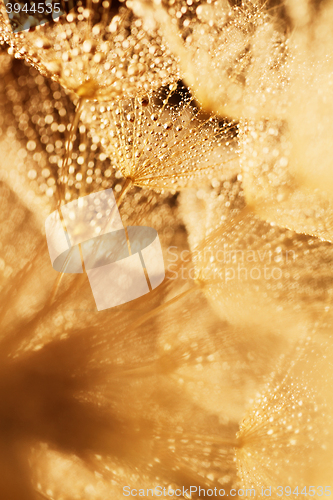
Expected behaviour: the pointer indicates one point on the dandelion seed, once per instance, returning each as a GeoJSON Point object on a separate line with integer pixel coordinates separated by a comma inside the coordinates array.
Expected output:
{"type": "Point", "coordinates": [230, 57]}
{"type": "Point", "coordinates": [72, 51]}
{"type": "Point", "coordinates": [170, 146]}
{"type": "Point", "coordinates": [259, 271]}
{"type": "Point", "coordinates": [298, 449]}
{"type": "Point", "coordinates": [271, 186]}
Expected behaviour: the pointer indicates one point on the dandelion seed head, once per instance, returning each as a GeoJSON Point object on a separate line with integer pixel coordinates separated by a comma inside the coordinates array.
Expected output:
{"type": "Point", "coordinates": [222, 375]}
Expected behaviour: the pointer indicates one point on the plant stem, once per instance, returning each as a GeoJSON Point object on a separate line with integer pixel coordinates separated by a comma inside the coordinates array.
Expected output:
{"type": "Point", "coordinates": [78, 111]}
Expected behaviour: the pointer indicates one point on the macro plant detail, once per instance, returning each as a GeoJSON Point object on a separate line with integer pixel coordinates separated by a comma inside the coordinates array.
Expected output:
{"type": "Point", "coordinates": [190, 146]}
{"type": "Point", "coordinates": [211, 122]}
{"type": "Point", "coordinates": [219, 46]}
{"type": "Point", "coordinates": [271, 186]}
{"type": "Point", "coordinates": [98, 53]}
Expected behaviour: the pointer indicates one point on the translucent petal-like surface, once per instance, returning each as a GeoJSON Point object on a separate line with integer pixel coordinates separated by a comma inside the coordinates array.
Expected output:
{"type": "Point", "coordinates": [286, 437]}
{"type": "Point", "coordinates": [254, 272]}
